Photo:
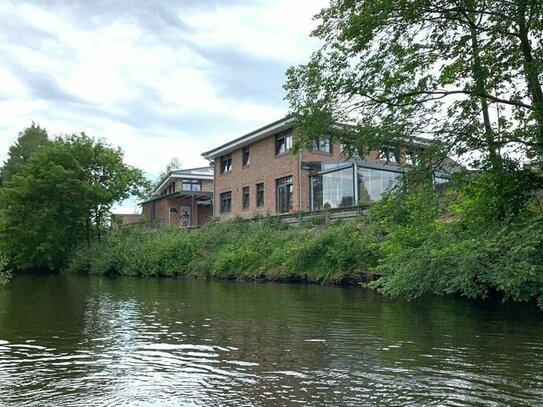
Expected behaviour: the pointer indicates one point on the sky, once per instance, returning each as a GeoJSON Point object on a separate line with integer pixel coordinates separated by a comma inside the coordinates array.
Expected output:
{"type": "Point", "coordinates": [160, 79]}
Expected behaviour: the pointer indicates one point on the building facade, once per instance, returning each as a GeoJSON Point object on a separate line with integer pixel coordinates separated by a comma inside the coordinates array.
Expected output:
{"type": "Point", "coordinates": [256, 174]}
{"type": "Point", "coordinates": [183, 198]}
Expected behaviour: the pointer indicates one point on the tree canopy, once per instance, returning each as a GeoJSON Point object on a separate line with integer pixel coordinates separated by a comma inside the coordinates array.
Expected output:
{"type": "Point", "coordinates": [62, 196]}
{"type": "Point", "coordinates": [465, 72]}
{"type": "Point", "coordinates": [29, 140]}
{"type": "Point", "coordinates": [173, 165]}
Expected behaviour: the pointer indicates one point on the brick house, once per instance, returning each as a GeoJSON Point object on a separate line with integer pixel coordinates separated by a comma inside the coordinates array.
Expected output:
{"type": "Point", "coordinates": [256, 173]}
{"type": "Point", "coordinates": [183, 198]}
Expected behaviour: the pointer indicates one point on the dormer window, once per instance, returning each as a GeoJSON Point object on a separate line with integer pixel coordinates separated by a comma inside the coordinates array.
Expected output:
{"type": "Point", "coordinates": [283, 142]}
{"type": "Point", "coordinates": [226, 163]}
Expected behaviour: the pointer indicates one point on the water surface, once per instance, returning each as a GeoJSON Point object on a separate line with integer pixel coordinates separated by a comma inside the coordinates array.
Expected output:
{"type": "Point", "coordinates": [69, 341]}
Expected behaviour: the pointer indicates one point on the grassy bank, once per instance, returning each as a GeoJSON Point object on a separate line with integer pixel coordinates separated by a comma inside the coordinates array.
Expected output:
{"type": "Point", "coordinates": [481, 238]}
{"type": "Point", "coordinates": [235, 249]}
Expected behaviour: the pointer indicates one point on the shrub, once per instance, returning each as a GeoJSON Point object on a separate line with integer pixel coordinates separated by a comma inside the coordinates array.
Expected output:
{"type": "Point", "coordinates": [5, 275]}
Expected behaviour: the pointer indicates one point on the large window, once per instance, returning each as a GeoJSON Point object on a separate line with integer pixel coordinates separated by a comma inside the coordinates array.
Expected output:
{"type": "Point", "coordinates": [344, 186]}
{"type": "Point", "coordinates": [191, 185]}
{"type": "Point", "coordinates": [284, 194]}
{"type": "Point", "coordinates": [260, 195]}
{"type": "Point", "coordinates": [321, 144]}
{"type": "Point", "coordinates": [333, 189]}
{"type": "Point", "coordinates": [246, 156]}
{"type": "Point", "coordinates": [245, 197]}
{"type": "Point", "coordinates": [226, 163]}
{"type": "Point", "coordinates": [372, 183]}
{"type": "Point", "coordinates": [283, 142]}
{"type": "Point", "coordinates": [226, 202]}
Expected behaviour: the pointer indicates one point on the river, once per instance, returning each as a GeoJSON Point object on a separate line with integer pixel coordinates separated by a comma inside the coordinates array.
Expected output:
{"type": "Point", "coordinates": [89, 341]}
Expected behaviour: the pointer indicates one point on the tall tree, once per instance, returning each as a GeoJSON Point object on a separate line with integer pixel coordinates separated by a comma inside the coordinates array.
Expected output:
{"type": "Point", "coordinates": [60, 197]}
{"type": "Point", "coordinates": [466, 72]}
{"type": "Point", "coordinates": [29, 140]}
{"type": "Point", "coordinates": [173, 165]}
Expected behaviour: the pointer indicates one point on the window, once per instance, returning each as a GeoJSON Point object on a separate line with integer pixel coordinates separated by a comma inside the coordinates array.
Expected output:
{"type": "Point", "coordinates": [246, 158]}
{"type": "Point", "coordinates": [245, 197]}
{"type": "Point", "coordinates": [388, 154]}
{"type": "Point", "coordinates": [260, 195]}
{"type": "Point", "coordinates": [283, 142]}
{"type": "Point", "coordinates": [284, 194]}
{"type": "Point", "coordinates": [191, 185]}
{"type": "Point", "coordinates": [226, 202]}
{"type": "Point", "coordinates": [226, 163]}
{"type": "Point", "coordinates": [372, 183]}
{"type": "Point", "coordinates": [333, 189]}
{"type": "Point", "coordinates": [169, 190]}
{"type": "Point", "coordinates": [321, 144]}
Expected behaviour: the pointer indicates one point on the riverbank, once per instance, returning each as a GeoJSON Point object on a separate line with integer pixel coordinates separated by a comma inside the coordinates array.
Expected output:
{"type": "Point", "coordinates": [267, 250]}
{"type": "Point", "coordinates": [416, 243]}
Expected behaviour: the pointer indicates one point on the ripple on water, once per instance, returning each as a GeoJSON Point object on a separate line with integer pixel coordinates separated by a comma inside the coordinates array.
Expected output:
{"type": "Point", "coordinates": [214, 343]}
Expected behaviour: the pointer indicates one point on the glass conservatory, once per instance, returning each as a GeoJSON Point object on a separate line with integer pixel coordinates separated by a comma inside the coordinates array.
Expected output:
{"type": "Point", "coordinates": [334, 185]}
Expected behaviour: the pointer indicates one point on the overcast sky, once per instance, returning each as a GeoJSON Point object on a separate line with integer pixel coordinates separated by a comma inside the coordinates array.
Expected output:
{"type": "Point", "coordinates": [160, 79]}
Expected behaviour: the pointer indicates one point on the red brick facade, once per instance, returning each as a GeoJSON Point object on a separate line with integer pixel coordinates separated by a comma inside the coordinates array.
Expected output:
{"type": "Point", "coordinates": [173, 201]}
{"type": "Point", "coordinates": [266, 167]}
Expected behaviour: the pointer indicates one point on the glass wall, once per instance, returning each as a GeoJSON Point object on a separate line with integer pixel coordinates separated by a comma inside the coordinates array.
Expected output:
{"type": "Point", "coordinates": [333, 189]}
{"type": "Point", "coordinates": [372, 183]}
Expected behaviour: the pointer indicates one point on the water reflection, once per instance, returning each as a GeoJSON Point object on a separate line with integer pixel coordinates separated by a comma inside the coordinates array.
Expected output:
{"type": "Point", "coordinates": [80, 341]}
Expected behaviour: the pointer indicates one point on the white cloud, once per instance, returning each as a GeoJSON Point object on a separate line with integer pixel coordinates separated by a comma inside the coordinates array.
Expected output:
{"type": "Point", "coordinates": [158, 81]}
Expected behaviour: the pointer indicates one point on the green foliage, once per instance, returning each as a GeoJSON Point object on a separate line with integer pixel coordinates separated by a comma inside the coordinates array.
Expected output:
{"type": "Point", "coordinates": [173, 165]}
{"type": "Point", "coordinates": [327, 254]}
{"type": "Point", "coordinates": [61, 196]}
{"type": "Point", "coordinates": [487, 241]}
{"type": "Point", "coordinates": [493, 195]}
{"type": "Point", "coordinates": [29, 140]}
{"type": "Point", "coordinates": [233, 249]}
{"type": "Point", "coordinates": [5, 275]}
{"type": "Point", "coordinates": [420, 243]}
{"type": "Point", "coordinates": [394, 69]}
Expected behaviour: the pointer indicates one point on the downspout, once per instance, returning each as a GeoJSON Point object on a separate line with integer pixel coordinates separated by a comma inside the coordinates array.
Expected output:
{"type": "Point", "coordinates": [299, 180]}
{"type": "Point", "coordinates": [212, 162]}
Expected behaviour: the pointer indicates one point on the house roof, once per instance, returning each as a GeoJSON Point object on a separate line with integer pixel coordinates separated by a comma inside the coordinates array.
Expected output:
{"type": "Point", "coordinates": [258, 134]}
{"type": "Point", "coordinates": [200, 173]}
{"type": "Point", "coordinates": [198, 196]}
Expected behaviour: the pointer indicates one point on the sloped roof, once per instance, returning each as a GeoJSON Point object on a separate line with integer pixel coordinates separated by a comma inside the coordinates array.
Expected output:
{"type": "Point", "coordinates": [258, 134]}
{"type": "Point", "coordinates": [200, 173]}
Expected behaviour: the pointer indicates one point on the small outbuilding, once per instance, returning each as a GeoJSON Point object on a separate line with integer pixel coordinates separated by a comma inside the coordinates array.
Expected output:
{"type": "Point", "coordinates": [183, 198]}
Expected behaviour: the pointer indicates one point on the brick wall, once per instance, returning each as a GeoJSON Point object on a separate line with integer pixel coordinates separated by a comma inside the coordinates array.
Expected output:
{"type": "Point", "coordinates": [163, 217]}
{"type": "Point", "coordinates": [265, 167]}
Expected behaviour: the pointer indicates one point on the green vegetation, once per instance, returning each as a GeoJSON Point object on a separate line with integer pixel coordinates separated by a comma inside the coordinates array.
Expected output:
{"type": "Point", "coordinates": [29, 140]}
{"type": "Point", "coordinates": [467, 240]}
{"type": "Point", "coordinates": [467, 73]}
{"type": "Point", "coordinates": [468, 77]}
{"type": "Point", "coordinates": [58, 196]}
{"type": "Point", "coordinates": [234, 249]}
{"type": "Point", "coordinates": [5, 275]}
{"type": "Point", "coordinates": [472, 241]}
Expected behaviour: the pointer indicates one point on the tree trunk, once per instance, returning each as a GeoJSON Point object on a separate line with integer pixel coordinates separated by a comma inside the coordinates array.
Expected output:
{"type": "Point", "coordinates": [88, 231]}
{"type": "Point", "coordinates": [531, 72]}
{"type": "Point", "coordinates": [480, 84]}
